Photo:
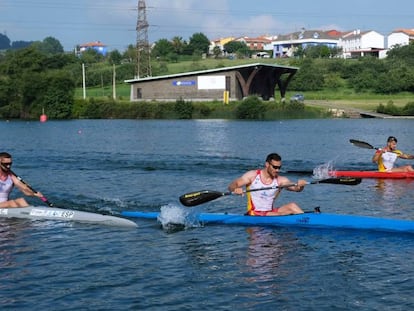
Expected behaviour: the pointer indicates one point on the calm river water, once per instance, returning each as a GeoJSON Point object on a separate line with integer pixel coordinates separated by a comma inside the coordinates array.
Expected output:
{"type": "Point", "coordinates": [108, 166]}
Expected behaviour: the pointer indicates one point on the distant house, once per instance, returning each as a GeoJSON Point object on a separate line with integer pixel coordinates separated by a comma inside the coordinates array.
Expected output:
{"type": "Point", "coordinates": [219, 43]}
{"type": "Point", "coordinates": [255, 44]}
{"type": "Point", "coordinates": [285, 45]}
{"type": "Point", "coordinates": [97, 46]}
{"type": "Point", "coordinates": [400, 37]}
{"type": "Point", "coordinates": [358, 43]}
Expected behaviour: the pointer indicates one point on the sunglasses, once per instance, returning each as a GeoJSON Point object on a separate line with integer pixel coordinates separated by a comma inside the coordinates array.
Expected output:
{"type": "Point", "coordinates": [8, 164]}
{"type": "Point", "coordinates": [276, 167]}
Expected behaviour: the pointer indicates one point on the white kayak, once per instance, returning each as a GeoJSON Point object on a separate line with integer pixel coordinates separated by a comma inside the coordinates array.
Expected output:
{"type": "Point", "coordinates": [55, 213]}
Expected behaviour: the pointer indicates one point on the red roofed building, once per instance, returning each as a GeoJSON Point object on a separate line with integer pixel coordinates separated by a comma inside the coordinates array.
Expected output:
{"type": "Point", "coordinates": [97, 46]}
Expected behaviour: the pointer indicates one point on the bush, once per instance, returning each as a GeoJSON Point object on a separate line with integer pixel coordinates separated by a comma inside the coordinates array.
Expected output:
{"type": "Point", "coordinates": [408, 109]}
{"type": "Point", "coordinates": [389, 108]}
{"type": "Point", "coordinates": [251, 108]}
{"type": "Point", "coordinates": [183, 109]}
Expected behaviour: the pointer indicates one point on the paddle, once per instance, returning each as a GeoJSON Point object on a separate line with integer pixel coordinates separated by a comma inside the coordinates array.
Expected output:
{"type": "Point", "coordinates": [362, 144]}
{"type": "Point", "coordinates": [44, 199]}
{"type": "Point", "coordinates": [203, 196]}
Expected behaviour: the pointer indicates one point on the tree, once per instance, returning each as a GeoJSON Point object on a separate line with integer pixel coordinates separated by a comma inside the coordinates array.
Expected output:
{"type": "Point", "coordinates": [235, 46]}
{"type": "Point", "coordinates": [114, 57]}
{"type": "Point", "coordinates": [402, 53]}
{"type": "Point", "coordinates": [310, 77]}
{"type": "Point", "coordinates": [178, 45]}
{"type": "Point", "coordinates": [216, 51]}
{"type": "Point", "coordinates": [91, 56]}
{"type": "Point", "coordinates": [162, 48]}
{"type": "Point", "coordinates": [50, 45]}
{"type": "Point", "coordinates": [4, 42]}
{"type": "Point", "coordinates": [317, 51]}
{"type": "Point", "coordinates": [21, 44]}
{"type": "Point", "coordinates": [130, 54]}
{"type": "Point", "coordinates": [58, 96]}
{"type": "Point", "coordinates": [32, 80]}
{"type": "Point", "coordinates": [199, 43]}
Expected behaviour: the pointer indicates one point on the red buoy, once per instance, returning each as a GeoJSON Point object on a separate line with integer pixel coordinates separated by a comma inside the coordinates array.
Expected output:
{"type": "Point", "coordinates": [43, 117]}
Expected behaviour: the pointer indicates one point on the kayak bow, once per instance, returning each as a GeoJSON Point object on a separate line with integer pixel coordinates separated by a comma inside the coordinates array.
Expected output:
{"type": "Point", "coordinates": [53, 213]}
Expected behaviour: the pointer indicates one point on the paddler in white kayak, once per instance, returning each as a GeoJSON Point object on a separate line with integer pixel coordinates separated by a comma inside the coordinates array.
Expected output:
{"type": "Point", "coordinates": [8, 181]}
{"type": "Point", "coordinates": [386, 157]}
{"type": "Point", "coordinates": [260, 203]}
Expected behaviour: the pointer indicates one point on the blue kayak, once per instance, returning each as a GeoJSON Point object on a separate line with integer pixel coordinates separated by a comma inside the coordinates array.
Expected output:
{"type": "Point", "coordinates": [307, 220]}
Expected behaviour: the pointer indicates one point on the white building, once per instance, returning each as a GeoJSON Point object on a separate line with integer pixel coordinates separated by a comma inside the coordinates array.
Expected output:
{"type": "Point", "coordinates": [359, 43]}
{"type": "Point", "coordinates": [286, 45]}
{"type": "Point", "coordinates": [400, 37]}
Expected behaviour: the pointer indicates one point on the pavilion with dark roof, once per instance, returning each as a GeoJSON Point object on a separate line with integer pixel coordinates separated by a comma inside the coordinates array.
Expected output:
{"type": "Point", "coordinates": [237, 82]}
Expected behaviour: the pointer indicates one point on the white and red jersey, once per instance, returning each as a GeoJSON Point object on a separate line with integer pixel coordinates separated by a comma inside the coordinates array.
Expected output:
{"type": "Point", "coordinates": [261, 200]}
{"type": "Point", "coordinates": [6, 187]}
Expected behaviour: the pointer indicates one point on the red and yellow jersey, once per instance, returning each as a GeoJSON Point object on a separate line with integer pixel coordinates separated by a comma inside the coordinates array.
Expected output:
{"type": "Point", "coordinates": [387, 160]}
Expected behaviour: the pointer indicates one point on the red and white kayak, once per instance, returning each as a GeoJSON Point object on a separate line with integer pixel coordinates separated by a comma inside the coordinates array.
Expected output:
{"type": "Point", "coordinates": [372, 174]}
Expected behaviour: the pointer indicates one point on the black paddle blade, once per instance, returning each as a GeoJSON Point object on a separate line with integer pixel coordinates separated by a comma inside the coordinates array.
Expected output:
{"type": "Point", "coordinates": [349, 181]}
{"type": "Point", "coordinates": [200, 197]}
{"type": "Point", "coordinates": [361, 144]}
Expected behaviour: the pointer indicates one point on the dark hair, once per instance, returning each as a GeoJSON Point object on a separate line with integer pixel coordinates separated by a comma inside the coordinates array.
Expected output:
{"type": "Point", "coordinates": [274, 157]}
{"type": "Point", "coordinates": [392, 138]}
{"type": "Point", "coordinates": [5, 155]}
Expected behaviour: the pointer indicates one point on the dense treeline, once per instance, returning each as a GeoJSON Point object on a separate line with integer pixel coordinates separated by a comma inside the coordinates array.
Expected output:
{"type": "Point", "coordinates": [41, 76]}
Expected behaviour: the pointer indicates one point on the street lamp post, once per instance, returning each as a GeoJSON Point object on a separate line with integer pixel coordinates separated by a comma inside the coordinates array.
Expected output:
{"type": "Point", "coordinates": [83, 81]}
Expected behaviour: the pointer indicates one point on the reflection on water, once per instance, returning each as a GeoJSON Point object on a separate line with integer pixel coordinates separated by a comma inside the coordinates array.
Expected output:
{"type": "Point", "coordinates": [268, 259]}
{"type": "Point", "coordinates": [394, 194]}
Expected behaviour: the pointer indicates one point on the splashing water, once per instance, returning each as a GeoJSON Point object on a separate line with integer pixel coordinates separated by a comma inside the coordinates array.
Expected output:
{"type": "Point", "coordinates": [322, 171]}
{"type": "Point", "coordinates": [175, 218]}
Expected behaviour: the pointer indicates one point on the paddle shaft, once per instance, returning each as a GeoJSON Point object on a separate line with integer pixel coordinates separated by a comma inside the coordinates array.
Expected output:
{"type": "Point", "coordinates": [284, 186]}
{"type": "Point", "coordinates": [270, 188]}
{"type": "Point", "coordinates": [200, 197]}
{"type": "Point", "coordinates": [44, 199]}
{"type": "Point", "coordinates": [337, 181]}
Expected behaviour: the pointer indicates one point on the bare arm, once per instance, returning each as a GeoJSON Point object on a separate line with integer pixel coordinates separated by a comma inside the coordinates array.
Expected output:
{"type": "Point", "coordinates": [24, 188]}
{"type": "Point", "coordinates": [377, 155]}
{"type": "Point", "coordinates": [237, 184]}
{"type": "Point", "coordinates": [407, 156]}
{"type": "Point", "coordinates": [297, 187]}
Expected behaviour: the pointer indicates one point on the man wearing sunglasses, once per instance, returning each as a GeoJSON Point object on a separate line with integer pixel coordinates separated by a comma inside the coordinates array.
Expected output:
{"type": "Point", "coordinates": [386, 157]}
{"type": "Point", "coordinates": [260, 202]}
{"type": "Point", "coordinates": [8, 181]}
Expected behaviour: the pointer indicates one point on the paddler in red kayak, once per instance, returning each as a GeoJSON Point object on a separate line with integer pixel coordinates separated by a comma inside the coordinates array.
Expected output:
{"type": "Point", "coordinates": [386, 157]}
{"type": "Point", "coordinates": [260, 203]}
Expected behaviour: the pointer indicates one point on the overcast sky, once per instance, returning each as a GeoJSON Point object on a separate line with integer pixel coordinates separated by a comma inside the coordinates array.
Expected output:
{"type": "Point", "coordinates": [113, 22]}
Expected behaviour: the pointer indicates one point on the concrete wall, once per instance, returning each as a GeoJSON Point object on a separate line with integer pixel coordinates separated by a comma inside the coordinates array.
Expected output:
{"type": "Point", "coordinates": [185, 87]}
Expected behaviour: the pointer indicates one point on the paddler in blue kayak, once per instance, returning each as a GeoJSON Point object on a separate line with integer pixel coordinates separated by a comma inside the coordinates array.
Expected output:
{"type": "Point", "coordinates": [386, 157]}
{"type": "Point", "coordinates": [8, 181]}
{"type": "Point", "coordinates": [260, 203]}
